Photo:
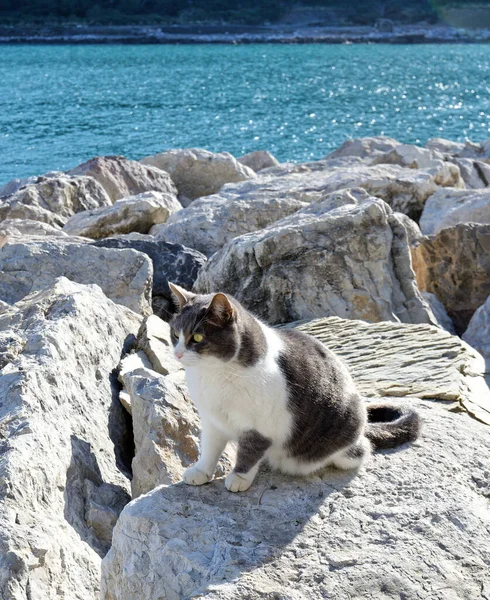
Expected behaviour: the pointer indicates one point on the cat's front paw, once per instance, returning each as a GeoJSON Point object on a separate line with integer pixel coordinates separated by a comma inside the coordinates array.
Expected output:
{"type": "Point", "coordinates": [193, 476]}
{"type": "Point", "coordinates": [237, 483]}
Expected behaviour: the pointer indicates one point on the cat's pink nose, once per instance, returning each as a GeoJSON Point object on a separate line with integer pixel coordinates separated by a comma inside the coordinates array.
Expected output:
{"type": "Point", "coordinates": [179, 355]}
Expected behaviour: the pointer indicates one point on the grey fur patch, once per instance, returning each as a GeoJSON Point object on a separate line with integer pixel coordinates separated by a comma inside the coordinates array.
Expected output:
{"type": "Point", "coordinates": [327, 415]}
{"type": "Point", "coordinates": [253, 345]}
{"type": "Point", "coordinates": [251, 448]}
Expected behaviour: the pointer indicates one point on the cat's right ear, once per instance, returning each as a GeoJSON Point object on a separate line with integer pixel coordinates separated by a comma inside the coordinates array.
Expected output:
{"type": "Point", "coordinates": [181, 296]}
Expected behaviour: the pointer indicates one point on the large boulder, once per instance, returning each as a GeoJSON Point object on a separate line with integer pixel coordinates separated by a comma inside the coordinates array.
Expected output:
{"type": "Point", "coordinates": [449, 207]}
{"type": "Point", "coordinates": [413, 157]}
{"type": "Point", "coordinates": [53, 199]}
{"type": "Point", "coordinates": [136, 213]}
{"type": "Point", "coordinates": [346, 256]}
{"type": "Point", "coordinates": [332, 535]}
{"type": "Point", "coordinates": [456, 149]}
{"type": "Point", "coordinates": [477, 334]}
{"type": "Point", "coordinates": [121, 177]}
{"type": "Point", "coordinates": [258, 160]}
{"type": "Point", "coordinates": [125, 276]}
{"type": "Point", "coordinates": [171, 262]}
{"type": "Point", "coordinates": [369, 147]}
{"type": "Point", "coordinates": [16, 230]}
{"type": "Point", "coordinates": [65, 446]}
{"type": "Point", "coordinates": [475, 173]}
{"type": "Point", "coordinates": [454, 265]}
{"type": "Point", "coordinates": [209, 223]}
{"type": "Point", "coordinates": [198, 172]}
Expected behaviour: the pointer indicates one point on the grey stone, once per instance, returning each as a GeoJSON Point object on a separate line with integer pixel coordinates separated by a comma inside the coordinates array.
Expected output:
{"type": "Point", "coordinates": [439, 312]}
{"type": "Point", "coordinates": [64, 453]}
{"type": "Point", "coordinates": [154, 341]}
{"type": "Point", "coordinates": [258, 160]}
{"type": "Point", "coordinates": [136, 213]}
{"type": "Point", "coordinates": [346, 256]}
{"type": "Point", "coordinates": [121, 177]}
{"type": "Point", "coordinates": [197, 172]}
{"type": "Point", "coordinates": [369, 147]}
{"type": "Point", "coordinates": [171, 262]}
{"type": "Point", "coordinates": [53, 199]}
{"type": "Point", "coordinates": [477, 334]}
{"type": "Point", "coordinates": [449, 207]}
{"type": "Point", "coordinates": [454, 265]}
{"type": "Point", "coordinates": [475, 173]}
{"type": "Point", "coordinates": [125, 276]}
{"type": "Point", "coordinates": [375, 534]}
{"type": "Point", "coordinates": [16, 230]}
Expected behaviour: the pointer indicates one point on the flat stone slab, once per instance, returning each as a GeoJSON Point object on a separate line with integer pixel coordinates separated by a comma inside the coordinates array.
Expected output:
{"type": "Point", "coordinates": [398, 359]}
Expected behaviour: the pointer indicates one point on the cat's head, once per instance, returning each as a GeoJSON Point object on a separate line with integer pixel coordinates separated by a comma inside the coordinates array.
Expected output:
{"type": "Point", "coordinates": [205, 329]}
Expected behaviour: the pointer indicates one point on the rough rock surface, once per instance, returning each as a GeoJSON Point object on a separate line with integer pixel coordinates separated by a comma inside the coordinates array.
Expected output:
{"type": "Point", "coordinates": [477, 334]}
{"type": "Point", "coordinates": [258, 160]}
{"type": "Point", "coordinates": [369, 147]}
{"type": "Point", "coordinates": [136, 213]}
{"type": "Point", "coordinates": [171, 262]}
{"type": "Point", "coordinates": [121, 177]}
{"type": "Point", "coordinates": [208, 223]}
{"type": "Point", "coordinates": [396, 359]}
{"type": "Point", "coordinates": [455, 266]}
{"type": "Point", "coordinates": [412, 157]}
{"type": "Point", "coordinates": [125, 276]}
{"type": "Point", "coordinates": [475, 173]}
{"type": "Point", "coordinates": [53, 199]}
{"type": "Point", "coordinates": [346, 256]}
{"type": "Point", "coordinates": [197, 172]}
{"type": "Point", "coordinates": [63, 441]}
{"type": "Point", "coordinates": [414, 235]}
{"type": "Point", "coordinates": [448, 207]}
{"type": "Point", "coordinates": [154, 340]}
{"type": "Point", "coordinates": [439, 312]}
{"type": "Point", "coordinates": [456, 149]}
{"type": "Point", "coordinates": [16, 230]}
{"type": "Point", "coordinates": [390, 531]}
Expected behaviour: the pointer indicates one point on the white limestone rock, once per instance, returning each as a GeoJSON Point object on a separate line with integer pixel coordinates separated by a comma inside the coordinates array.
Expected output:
{"type": "Point", "coordinates": [125, 276]}
{"type": "Point", "coordinates": [346, 256]}
{"type": "Point", "coordinates": [16, 230]}
{"type": "Point", "coordinates": [134, 214]}
{"type": "Point", "coordinates": [258, 160]}
{"type": "Point", "coordinates": [197, 172]}
{"type": "Point", "coordinates": [376, 534]}
{"type": "Point", "coordinates": [63, 440]}
{"type": "Point", "coordinates": [369, 147]}
{"type": "Point", "coordinates": [475, 173]}
{"type": "Point", "coordinates": [210, 222]}
{"type": "Point", "coordinates": [455, 149]}
{"type": "Point", "coordinates": [439, 312]}
{"type": "Point", "coordinates": [121, 177]}
{"type": "Point", "coordinates": [53, 199]}
{"type": "Point", "coordinates": [413, 157]}
{"type": "Point", "coordinates": [477, 334]}
{"type": "Point", "coordinates": [449, 207]}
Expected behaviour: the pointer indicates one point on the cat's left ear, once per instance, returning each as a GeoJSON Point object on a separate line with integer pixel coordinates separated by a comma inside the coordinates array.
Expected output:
{"type": "Point", "coordinates": [181, 296]}
{"type": "Point", "coordinates": [221, 306]}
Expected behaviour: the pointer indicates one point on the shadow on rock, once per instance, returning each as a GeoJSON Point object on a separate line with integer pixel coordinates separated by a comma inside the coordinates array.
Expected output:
{"type": "Point", "coordinates": [92, 506]}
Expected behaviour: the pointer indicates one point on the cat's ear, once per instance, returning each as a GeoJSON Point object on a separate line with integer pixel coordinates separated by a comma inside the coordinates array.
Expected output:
{"type": "Point", "coordinates": [221, 307]}
{"type": "Point", "coordinates": [181, 296]}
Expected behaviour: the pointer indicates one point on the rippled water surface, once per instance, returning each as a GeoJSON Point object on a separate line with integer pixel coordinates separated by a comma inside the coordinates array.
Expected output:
{"type": "Point", "coordinates": [60, 105]}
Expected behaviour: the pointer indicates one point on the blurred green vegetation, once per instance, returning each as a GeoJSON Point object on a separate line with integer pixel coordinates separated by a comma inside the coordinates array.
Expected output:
{"type": "Point", "coordinates": [244, 12]}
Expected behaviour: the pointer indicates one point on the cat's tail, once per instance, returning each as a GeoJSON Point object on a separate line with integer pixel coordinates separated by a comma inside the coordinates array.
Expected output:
{"type": "Point", "coordinates": [390, 425]}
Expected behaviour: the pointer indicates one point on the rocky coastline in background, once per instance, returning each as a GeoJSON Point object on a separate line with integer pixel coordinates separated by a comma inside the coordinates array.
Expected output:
{"type": "Point", "coordinates": [380, 249]}
{"type": "Point", "coordinates": [385, 32]}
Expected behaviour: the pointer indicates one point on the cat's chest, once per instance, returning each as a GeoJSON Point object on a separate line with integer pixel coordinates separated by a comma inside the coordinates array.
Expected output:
{"type": "Point", "coordinates": [239, 401]}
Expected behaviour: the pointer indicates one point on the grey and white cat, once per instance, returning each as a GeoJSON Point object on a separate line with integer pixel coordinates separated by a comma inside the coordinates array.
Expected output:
{"type": "Point", "coordinates": [279, 393]}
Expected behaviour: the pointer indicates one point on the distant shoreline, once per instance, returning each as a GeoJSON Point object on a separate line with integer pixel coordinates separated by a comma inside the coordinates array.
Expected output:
{"type": "Point", "coordinates": [233, 34]}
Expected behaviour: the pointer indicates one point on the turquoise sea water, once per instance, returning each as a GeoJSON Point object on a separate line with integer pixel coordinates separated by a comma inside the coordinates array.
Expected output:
{"type": "Point", "coordinates": [60, 105]}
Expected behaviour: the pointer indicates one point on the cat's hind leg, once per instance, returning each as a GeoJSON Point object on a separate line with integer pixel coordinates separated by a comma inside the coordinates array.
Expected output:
{"type": "Point", "coordinates": [353, 456]}
{"type": "Point", "coordinates": [251, 449]}
{"type": "Point", "coordinates": [213, 442]}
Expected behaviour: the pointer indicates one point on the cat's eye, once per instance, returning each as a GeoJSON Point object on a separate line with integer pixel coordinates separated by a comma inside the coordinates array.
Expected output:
{"type": "Point", "coordinates": [174, 334]}
{"type": "Point", "coordinates": [198, 337]}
